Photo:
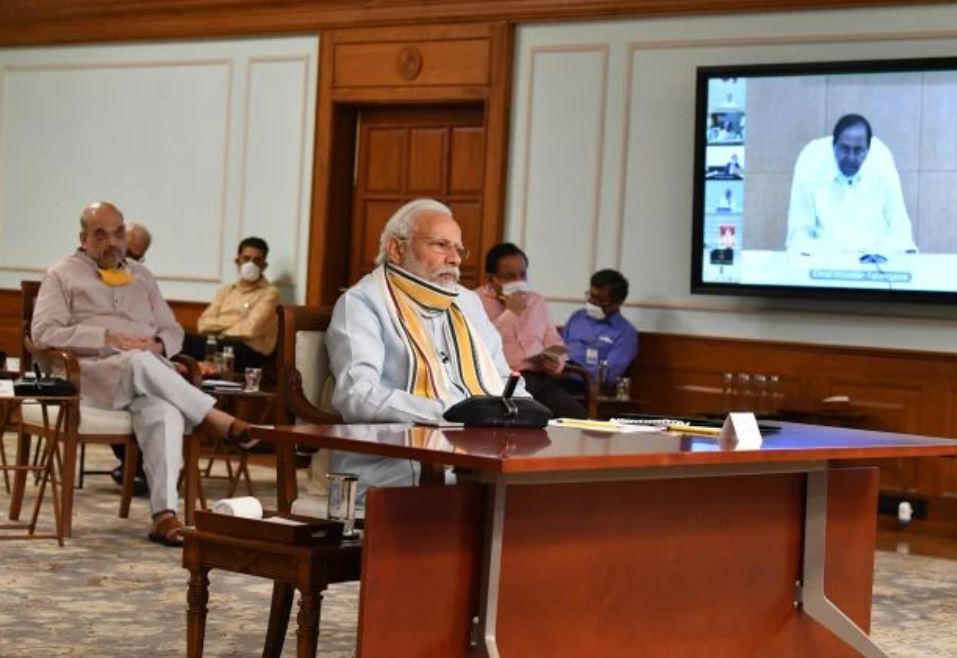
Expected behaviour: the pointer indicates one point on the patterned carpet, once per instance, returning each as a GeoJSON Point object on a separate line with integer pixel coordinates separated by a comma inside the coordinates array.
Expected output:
{"type": "Point", "coordinates": [110, 593]}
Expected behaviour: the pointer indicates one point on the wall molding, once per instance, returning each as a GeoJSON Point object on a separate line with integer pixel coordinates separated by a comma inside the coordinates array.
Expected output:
{"type": "Point", "coordinates": [146, 63]}
{"type": "Point", "coordinates": [294, 278]}
{"type": "Point", "coordinates": [604, 49]}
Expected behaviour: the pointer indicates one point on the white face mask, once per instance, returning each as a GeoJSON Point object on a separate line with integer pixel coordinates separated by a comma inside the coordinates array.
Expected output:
{"type": "Point", "coordinates": [595, 312]}
{"type": "Point", "coordinates": [514, 286]}
{"type": "Point", "coordinates": [249, 271]}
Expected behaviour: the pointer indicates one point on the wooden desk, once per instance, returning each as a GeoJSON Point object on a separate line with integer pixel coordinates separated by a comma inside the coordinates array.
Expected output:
{"type": "Point", "coordinates": [629, 544]}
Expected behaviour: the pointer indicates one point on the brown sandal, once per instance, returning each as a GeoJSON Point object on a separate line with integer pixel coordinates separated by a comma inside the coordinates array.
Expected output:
{"type": "Point", "coordinates": [166, 531]}
{"type": "Point", "coordinates": [240, 435]}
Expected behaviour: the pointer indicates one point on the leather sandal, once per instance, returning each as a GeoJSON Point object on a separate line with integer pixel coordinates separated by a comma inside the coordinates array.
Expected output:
{"type": "Point", "coordinates": [239, 433]}
{"type": "Point", "coordinates": [166, 531]}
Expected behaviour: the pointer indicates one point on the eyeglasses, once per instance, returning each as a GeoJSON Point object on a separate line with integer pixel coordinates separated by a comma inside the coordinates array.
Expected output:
{"type": "Point", "coordinates": [440, 245]}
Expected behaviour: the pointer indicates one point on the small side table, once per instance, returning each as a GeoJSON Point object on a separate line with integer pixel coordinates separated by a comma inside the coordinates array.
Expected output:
{"type": "Point", "coordinates": [310, 569]}
{"type": "Point", "coordinates": [234, 402]}
{"type": "Point", "coordinates": [47, 468]}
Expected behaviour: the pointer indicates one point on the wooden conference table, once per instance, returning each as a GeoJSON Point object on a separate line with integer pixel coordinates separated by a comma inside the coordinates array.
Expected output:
{"type": "Point", "coordinates": [578, 543]}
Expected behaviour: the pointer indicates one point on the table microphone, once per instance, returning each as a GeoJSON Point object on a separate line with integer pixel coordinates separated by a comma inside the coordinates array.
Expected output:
{"type": "Point", "coordinates": [510, 385]}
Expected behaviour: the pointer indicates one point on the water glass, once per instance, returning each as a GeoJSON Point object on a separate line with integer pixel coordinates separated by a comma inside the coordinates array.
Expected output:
{"type": "Point", "coordinates": [623, 389]}
{"type": "Point", "coordinates": [253, 377]}
{"type": "Point", "coordinates": [343, 488]}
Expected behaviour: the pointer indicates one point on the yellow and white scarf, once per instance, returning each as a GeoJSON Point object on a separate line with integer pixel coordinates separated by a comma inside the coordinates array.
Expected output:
{"type": "Point", "coordinates": [408, 298]}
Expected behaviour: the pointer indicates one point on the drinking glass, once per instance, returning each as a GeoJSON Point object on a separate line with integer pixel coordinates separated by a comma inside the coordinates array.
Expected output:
{"type": "Point", "coordinates": [253, 377]}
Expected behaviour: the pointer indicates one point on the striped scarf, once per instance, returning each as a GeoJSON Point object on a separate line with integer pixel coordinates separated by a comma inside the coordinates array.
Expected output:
{"type": "Point", "coordinates": [408, 298]}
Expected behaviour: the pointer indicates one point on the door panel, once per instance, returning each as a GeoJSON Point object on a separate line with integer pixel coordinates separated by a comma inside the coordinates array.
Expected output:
{"type": "Point", "coordinates": [408, 152]}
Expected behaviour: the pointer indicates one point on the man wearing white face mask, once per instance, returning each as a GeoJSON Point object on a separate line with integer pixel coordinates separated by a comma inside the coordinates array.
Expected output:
{"type": "Point", "coordinates": [243, 314]}
{"type": "Point", "coordinates": [598, 333]}
{"type": "Point", "coordinates": [529, 339]}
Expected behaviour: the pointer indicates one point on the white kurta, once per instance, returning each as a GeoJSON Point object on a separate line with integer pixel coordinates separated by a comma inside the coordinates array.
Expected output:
{"type": "Point", "coordinates": [831, 213]}
{"type": "Point", "coordinates": [74, 310]}
{"type": "Point", "coordinates": [371, 367]}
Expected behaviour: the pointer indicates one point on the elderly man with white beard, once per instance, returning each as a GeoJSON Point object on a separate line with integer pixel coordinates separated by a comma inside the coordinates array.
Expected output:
{"type": "Point", "coordinates": [407, 341]}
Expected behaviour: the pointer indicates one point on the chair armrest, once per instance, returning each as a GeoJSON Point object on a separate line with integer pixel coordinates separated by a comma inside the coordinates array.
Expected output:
{"type": "Point", "coordinates": [50, 358]}
{"type": "Point", "coordinates": [299, 406]}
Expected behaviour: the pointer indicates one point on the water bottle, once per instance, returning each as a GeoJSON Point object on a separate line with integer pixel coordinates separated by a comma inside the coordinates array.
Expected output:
{"type": "Point", "coordinates": [210, 349]}
{"type": "Point", "coordinates": [229, 359]}
{"type": "Point", "coordinates": [603, 375]}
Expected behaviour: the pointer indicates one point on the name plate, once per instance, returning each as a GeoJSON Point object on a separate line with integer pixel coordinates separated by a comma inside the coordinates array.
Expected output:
{"type": "Point", "coordinates": [740, 429]}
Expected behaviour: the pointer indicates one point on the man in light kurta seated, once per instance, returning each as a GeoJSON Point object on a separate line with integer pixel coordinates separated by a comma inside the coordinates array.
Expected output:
{"type": "Point", "coordinates": [407, 341]}
{"type": "Point", "coordinates": [108, 310]}
{"type": "Point", "coordinates": [242, 314]}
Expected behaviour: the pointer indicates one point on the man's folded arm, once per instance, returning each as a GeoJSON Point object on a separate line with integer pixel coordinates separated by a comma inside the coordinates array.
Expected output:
{"type": "Point", "coordinates": [260, 315]}
{"type": "Point", "coordinates": [209, 322]}
{"type": "Point", "coordinates": [356, 356]}
{"type": "Point", "coordinates": [51, 326]}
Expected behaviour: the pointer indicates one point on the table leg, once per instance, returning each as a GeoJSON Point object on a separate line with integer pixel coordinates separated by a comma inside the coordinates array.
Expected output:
{"type": "Point", "coordinates": [278, 619]}
{"type": "Point", "coordinates": [5, 411]}
{"type": "Point", "coordinates": [68, 475]}
{"type": "Point", "coordinates": [197, 599]}
{"type": "Point", "coordinates": [811, 593]}
{"type": "Point", "coordinates": [20, 475]}
{"type": "Point", "coordinates": [286, 488]}
{"type": "Point", "coordinates": [307, 634]}
{"type": "Point", "coordinates": [191, 474]}
{"type": "Point", "coordinates": [486, 644]}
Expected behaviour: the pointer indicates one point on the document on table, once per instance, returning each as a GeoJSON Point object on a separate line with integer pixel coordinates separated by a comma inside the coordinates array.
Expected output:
{"type": "Point", "coordinates": [601, 426]}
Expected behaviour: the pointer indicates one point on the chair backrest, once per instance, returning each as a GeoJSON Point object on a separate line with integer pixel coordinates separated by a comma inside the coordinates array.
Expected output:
{"type": "Point", "coordinates": [302, 363]}
{"type": "Point", "coordinates": [28, 299]}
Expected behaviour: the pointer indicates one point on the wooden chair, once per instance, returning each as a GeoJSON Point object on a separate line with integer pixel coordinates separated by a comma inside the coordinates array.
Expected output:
{"type": "Point", "coordinates": [91, 425]}
{"type": "Point", "coordinates": [304, 387]}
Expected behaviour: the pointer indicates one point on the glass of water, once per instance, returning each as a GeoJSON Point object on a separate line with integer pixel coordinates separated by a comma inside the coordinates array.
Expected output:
{"type": "Point", "coordinates": [253, 377]}
{"type": "Point", "coordinates": [623, 389]}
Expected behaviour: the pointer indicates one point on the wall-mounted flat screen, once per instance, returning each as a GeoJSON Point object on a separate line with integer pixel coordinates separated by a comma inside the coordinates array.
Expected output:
{"type": "Point", "coordinates": [827, 179]}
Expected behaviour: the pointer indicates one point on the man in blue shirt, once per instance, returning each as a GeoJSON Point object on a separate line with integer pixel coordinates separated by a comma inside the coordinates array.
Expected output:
{"type": "Point", "coordinates": [598, 333]}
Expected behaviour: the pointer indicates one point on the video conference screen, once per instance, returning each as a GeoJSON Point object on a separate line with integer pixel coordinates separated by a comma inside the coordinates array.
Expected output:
{"type": "Point", "coordinates": [827, 179]}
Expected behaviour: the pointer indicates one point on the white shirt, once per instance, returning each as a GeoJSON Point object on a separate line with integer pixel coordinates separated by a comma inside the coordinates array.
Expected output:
{"type": "Point", "coordinates": [831, 213]}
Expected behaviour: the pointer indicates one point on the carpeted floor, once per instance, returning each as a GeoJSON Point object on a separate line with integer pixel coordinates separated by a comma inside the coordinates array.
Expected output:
{"type": "Point", "coordinates": [110, 593]}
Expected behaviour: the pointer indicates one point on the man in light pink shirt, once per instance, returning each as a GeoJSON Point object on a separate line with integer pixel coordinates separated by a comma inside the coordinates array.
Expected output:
{"type": "Point", "coordinates": [529, 340]}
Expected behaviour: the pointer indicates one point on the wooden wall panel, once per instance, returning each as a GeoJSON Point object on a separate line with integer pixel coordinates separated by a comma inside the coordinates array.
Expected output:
{"type": "Point", "coordinates": [888, 390]}
{"type": "Point", "coordinates": [187, 313]}
{"type": "Point", "coordinates": [67, 21]}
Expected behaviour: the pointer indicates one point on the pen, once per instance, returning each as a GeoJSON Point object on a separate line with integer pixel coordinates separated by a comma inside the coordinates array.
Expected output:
{"type": "Point", "coordinates": [578, 422]}
{"type": "Point", "coordinates": [694, 429]}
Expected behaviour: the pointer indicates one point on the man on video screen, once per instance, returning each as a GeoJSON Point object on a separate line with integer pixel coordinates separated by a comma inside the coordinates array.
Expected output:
{"type": "Point", "coordinates": [846, 196]}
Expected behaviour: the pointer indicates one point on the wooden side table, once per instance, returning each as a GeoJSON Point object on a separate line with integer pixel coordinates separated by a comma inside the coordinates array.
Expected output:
{"type": "Point", "coordinates": [309, 569]}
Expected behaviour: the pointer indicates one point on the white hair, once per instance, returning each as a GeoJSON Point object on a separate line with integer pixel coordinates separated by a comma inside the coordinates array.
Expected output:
{"type": "Point", "coordinates": [403, 220]}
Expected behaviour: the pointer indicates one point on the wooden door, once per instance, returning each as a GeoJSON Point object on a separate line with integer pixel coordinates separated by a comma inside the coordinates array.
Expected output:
{"type": "Point", "coordinates": [408, 152]}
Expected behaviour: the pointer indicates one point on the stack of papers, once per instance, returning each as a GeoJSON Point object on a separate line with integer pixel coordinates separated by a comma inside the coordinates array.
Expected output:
{"type": "Point", "coordinates": [222, 384]}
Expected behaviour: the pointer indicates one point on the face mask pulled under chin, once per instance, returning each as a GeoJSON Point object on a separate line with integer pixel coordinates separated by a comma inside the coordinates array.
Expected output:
{"type": "Point", "coordinates": [594, 311]}
{"type": "Point", "coordinates": [513, 287]}
{"type": "Point", "coordinates": [249, 271]}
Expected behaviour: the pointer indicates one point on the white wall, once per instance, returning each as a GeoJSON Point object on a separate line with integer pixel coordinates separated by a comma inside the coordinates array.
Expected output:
{"type": "Point", "coordinates": [601, 164]}
{"type": "Point", "coordinates": [204, 142]}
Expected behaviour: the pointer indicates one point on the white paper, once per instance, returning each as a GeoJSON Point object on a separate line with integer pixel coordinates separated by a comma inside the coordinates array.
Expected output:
{"type": "Point", "coordinates": [246, 507]}
{"type": "Point", "coordinates": [740, 429]}
{"type": "Point", "coordinates": [6, 389]}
